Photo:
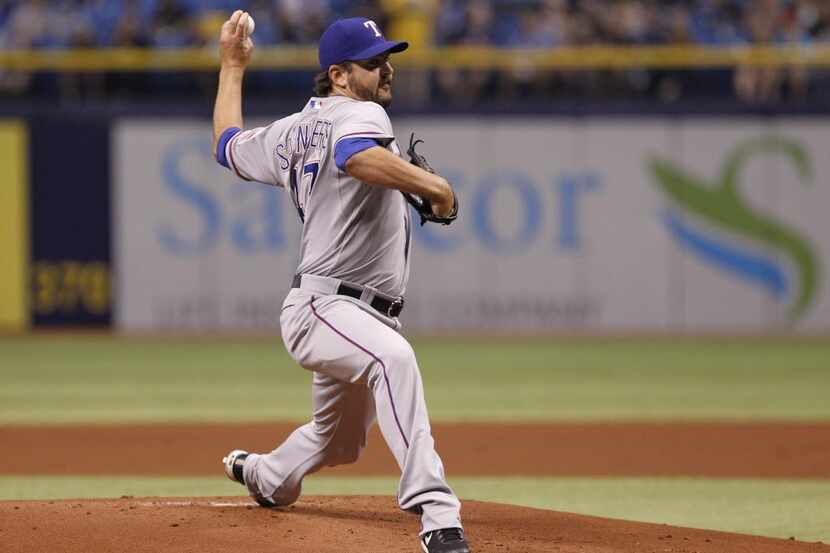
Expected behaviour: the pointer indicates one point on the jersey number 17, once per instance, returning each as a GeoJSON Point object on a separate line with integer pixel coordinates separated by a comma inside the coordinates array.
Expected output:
{"type": "Point", "coordinates": [301, 183]}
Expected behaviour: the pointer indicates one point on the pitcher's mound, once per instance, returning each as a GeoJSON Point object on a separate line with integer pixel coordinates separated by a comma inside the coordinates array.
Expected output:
{"type": "Point", "coordinates": [359, 524]}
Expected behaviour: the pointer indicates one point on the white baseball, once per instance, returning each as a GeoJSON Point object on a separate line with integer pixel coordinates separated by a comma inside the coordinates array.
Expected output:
{"type": "Point", "coordinates": [251, 25]}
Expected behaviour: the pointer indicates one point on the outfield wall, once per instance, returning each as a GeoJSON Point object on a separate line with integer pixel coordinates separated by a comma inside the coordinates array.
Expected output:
{"type": "Point", "coordinates": [608, 225]}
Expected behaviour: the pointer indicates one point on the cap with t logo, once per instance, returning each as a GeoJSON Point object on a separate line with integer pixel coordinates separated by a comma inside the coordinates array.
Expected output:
{"type": "Point", "coordinates": [354, 39]}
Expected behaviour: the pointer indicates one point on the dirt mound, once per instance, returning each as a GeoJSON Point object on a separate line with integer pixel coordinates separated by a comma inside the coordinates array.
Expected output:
{"type": "Point", "coordinates": [358, 524]}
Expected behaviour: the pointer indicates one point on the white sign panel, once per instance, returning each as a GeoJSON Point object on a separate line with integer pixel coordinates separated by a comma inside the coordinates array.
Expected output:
{"type": "Point", "coordinates": [594, 225]}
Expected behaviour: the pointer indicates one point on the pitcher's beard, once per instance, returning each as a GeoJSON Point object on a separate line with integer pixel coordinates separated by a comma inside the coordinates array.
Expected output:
{"type": "Point", "coordinates": [384, 97]}
{"type": "Point", "coordinates": [379, 96]}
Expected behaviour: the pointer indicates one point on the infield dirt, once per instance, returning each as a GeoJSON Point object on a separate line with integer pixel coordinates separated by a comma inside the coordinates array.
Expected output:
{"type": "Point", "coordinates": [776, 450]}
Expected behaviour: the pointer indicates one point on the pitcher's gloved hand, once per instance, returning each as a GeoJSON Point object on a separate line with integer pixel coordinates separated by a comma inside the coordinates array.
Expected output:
{"type": "Point", "coordinates": [422, 205]}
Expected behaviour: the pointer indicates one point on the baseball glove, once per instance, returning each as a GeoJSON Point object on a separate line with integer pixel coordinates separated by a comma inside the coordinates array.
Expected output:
{"type": "Point", "coordinates": [422, 205]}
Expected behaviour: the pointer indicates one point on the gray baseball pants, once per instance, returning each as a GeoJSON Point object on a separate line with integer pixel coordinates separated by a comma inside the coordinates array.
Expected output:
{"type": "Point", "coordinates": [363, 369]}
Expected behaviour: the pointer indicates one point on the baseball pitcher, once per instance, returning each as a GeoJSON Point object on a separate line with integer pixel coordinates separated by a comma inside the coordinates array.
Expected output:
{"type": "Point", "coordinates": [339, 160]}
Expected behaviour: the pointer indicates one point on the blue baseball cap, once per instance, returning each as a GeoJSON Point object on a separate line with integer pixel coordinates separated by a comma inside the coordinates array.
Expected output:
{"type": "Point", "coordinates": [354, 39]}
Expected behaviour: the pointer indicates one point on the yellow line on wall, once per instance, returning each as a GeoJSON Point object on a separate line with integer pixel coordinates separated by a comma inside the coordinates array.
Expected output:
{"type": "Point", "coordinates": [465, 57]}
{"type": "Point", "coordinates": [14, 227]}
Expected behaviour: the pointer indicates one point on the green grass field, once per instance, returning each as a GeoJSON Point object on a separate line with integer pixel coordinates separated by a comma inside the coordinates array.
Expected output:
{"type": "Point", "coordinates": [98, 379]}
{"type": "Point", "coordinates": [69, 379]}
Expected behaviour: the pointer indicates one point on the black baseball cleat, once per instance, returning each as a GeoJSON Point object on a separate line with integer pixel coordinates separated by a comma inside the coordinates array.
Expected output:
{"type": "Point", "coordinates": [445, 540]}
{"type": "Point", "coordinates": [234, 462]}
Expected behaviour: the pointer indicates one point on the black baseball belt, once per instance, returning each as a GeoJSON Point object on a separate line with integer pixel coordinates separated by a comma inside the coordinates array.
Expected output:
{"type": "Point", "coordinates": [388, 305]}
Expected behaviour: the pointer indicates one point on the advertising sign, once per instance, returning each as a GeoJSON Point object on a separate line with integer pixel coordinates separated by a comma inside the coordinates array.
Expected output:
{"type": "Point", "coordinates": [566, 224]}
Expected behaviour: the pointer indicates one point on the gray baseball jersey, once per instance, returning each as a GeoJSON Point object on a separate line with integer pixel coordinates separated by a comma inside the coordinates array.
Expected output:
{"type": "Point", "coordinates": [364, 369]}
{"type": "Point", "coordinates": [351, 231]}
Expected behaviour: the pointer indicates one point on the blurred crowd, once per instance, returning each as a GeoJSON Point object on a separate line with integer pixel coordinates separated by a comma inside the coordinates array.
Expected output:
{"type": "Point", "coordinates": [54, 24]}
{"type": "Point", "coordinates": [562, 23]}
{"type": "Point", "coordinates": [164, 23]}
{"type": "Point", "coordinates": [551, 23]}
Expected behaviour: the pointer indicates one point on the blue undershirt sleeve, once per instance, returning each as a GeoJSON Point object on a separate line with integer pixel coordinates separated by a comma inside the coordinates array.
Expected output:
{"type": "Point", "coordinates": [348, 147]}
{"type": "Point", "coordinates": [222, 144]}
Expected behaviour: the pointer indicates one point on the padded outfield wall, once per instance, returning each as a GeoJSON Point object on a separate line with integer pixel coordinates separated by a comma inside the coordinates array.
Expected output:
{"type": "Point", "coordinates": [589, 224]}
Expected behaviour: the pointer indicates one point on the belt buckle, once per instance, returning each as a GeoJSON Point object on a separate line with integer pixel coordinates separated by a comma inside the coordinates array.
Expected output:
{"type": "Point", "coordinates": [395, 308]}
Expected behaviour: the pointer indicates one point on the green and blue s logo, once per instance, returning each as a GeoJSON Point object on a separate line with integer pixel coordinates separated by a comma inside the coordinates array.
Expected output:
{"type": "Point", "coordinates": [730, 234]}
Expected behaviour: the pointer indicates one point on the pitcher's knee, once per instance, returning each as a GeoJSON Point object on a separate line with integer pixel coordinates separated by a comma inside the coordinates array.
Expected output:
{"type": "Point", "coordinates": [284, 496]}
